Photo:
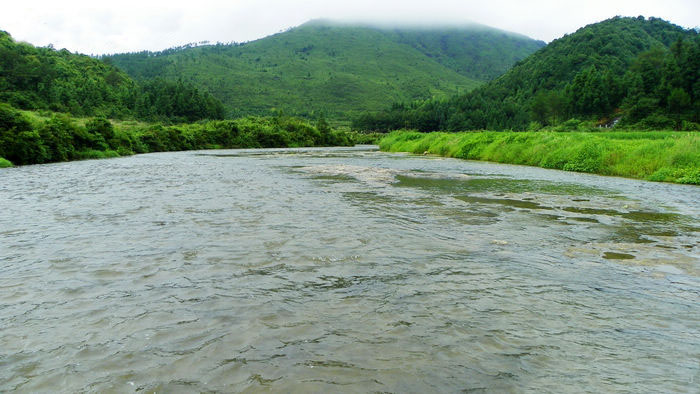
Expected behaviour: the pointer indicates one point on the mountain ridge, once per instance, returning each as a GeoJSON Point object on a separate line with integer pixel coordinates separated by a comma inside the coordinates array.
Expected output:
{"type": "Point", "coordinates": [614, 65]}
{"type": "Point", "coordinates": [333, 68]}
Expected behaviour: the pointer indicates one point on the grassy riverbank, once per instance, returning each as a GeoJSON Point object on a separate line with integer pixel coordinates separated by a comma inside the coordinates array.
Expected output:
{"type": "Point", "coordinates": [656, 156]}
{"type": "Point", "coordinates": [31, 137]}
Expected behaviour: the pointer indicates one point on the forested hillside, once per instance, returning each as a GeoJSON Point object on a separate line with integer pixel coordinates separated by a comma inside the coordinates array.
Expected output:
{"type": "Point", "coordinates": [339, 70]}
{"type": "Point", "coordinates": [32, 77]}
{"type": "Point", "coordinates": [54, 107]}
{"type": "Point", "coordinates": [47, 79]}
{"type": "Point", "coordinates": [643, 71]}
{"type": "Point", "coordinates": [477, 52]}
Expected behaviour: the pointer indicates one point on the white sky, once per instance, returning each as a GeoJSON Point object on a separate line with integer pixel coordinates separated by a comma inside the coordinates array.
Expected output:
{"type": "Point", "coordinates": [94, 27]}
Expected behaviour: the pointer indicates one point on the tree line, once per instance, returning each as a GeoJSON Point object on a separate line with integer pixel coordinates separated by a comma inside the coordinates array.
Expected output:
{"type": "Point", "coordinates": [35, 78]}
{"type": "Point", "coordinates": [31, 140]}
{"type": "Point", "coordinates": [645, 73]}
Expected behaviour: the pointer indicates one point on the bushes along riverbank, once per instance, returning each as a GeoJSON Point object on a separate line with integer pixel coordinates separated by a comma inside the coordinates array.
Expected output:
{"type": "Point", "coordinates": [33, 138]}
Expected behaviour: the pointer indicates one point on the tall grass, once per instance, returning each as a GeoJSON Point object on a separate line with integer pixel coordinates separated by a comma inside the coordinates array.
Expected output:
{"type": "Point", "coordinates": [365, 138]}
{"type": "Point", "coordinates": [656, 156]}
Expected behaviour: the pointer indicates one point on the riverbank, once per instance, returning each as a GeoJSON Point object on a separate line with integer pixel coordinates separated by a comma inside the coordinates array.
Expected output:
{"type": "Point", "coordinates": [663, 156]}
{"type": "Point", "coordinates": [31, 137]}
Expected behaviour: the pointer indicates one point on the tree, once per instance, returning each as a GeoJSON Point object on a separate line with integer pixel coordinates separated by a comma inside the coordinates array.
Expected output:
{"type": "Point", "coordinates": [548, 107]}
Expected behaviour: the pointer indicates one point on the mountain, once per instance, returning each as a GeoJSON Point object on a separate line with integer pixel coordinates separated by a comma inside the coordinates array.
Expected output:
{"type": "Point", "coordinates": [44, 78]}
{"type": "Point", "coordinates": [603, 70]}
{"type": "Point", "coordinates": [336, 69]}
{"type": "Point", "coordinates": [475, 51]}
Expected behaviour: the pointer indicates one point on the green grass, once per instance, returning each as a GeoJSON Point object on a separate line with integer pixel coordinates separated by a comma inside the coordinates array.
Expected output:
{"type": "Point", "coordinates": [89, 154]}
{"type": "Point", "coordinates": [4, 163]}
{"type": "Point", "coordinates": [664, 156]}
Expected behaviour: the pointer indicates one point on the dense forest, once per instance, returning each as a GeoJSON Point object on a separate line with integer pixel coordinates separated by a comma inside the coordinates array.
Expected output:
{"type": "Point", "coordinates": [47, 79]}
{"type": "Point", "coordinates": [55, 105]}
{"type": "Point", "coordinates": [336, 69]}
{"type": "Point", "coordinates": [641, 72]}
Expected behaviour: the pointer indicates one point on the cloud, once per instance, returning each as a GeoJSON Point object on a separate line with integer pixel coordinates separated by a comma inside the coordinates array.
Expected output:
{"type": "Point", "coordinates": [91, 27]}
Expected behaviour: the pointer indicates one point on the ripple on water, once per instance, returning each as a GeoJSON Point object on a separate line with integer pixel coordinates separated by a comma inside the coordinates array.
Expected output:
{"type": "Point", "coordinates": [343, 270]}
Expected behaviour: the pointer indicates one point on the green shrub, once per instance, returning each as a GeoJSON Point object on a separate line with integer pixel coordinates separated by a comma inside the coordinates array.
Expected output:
{"type": "Point", "coordinates": [588, 158]}
{"type": "Point", "coordinates": [58, 134]}
{"type": "Point", "coordinates": [152, 139]}
{"type": "Point", "coordinates": [364, 138]}
{"type": "Point", "coordinates": [12, 140]}
{"type": "Point", "coordinates": [27, 148]}
{"type": "Point", "coordinates": [95, 154]}
{"type": "Point", "coordinates": [61, 138]}
{"type": "Point", "coordinates": [690, 126]}
{"type": "Point", "coordinates": [24, 100]}
{"type": "Point", "coordinates": [534, 126]}
{"type": "Point", "coordinates": [101, 126]}
{"type": "Point", "coordinates": [11, 119]}
{"type": "Point", "coordinates": [4, 163]}
{"type": "Point", "coordinates": [657, 122]}
{"type": "Point", "coordinates": [689, 176]}
{"type": "Point", "coordinates": [123, 151]}
{"type": "Point", "coordinates": [569, 125]}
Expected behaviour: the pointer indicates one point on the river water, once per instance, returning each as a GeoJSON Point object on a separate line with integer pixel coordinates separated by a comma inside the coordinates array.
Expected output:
{"type": "Point", "coordinates": [344, 270]}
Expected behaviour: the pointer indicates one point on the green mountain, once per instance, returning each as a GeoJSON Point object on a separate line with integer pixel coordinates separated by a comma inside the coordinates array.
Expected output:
{"type": "Point", "coordinates": [44, 78]}
{"type": "Point", "coordinates": [34, 78]}
{"type": "Point", "coordinates": [636, 68]}
{"type": "Point", "coordinates": [475, 51]}
{"type": "Point", "coordinates": [336, 69]}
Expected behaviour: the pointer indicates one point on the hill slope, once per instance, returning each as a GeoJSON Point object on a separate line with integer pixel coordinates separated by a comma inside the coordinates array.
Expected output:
{"type": "Point", "coordinates": [475, 51]}
{"type": "Point", "coordinates": [43, 78]}
{"type": "Point", "coordinates": [336, 69]}
{"type": "Point", "coordinates": [590, 74]}
{"type": "Point", "coordinates": [32, 77]}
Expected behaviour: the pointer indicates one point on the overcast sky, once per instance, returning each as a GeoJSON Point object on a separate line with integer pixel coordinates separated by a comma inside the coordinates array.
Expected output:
{"type": "Point", "coordinates": [120, 26]}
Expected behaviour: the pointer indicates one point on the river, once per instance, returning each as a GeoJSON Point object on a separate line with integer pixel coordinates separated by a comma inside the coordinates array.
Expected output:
{"type": "Point", "coordinates": [344, 270]}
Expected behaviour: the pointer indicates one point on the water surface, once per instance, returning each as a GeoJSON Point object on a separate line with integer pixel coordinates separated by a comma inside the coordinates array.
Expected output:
{"type": "Point", "coordinates": [347, 270]}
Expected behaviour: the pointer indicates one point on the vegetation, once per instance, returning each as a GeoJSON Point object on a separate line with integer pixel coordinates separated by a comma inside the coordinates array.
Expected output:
{"type": "Point", "coordinates": [337, 70]}
{"type": "Point", "coordinates": [366, 138]}
{"type": "Point", "coordinates": [30, 138]}
{"type": "Point", "coordinates": [175, 101]}
{"type": "Point", "coordinates": [42, 78]}
{"type": "Point", "coordinates": [657, 156]}
{"type": "Point", "coordinates": [642, 71]}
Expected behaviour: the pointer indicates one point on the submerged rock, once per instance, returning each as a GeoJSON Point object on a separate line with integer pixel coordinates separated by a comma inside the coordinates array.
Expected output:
{"type": "Point", "coordinates": [617, 256]}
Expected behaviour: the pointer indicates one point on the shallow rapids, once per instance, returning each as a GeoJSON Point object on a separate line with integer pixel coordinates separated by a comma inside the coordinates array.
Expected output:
{"type": "Point", "coordinates": [344, 270]}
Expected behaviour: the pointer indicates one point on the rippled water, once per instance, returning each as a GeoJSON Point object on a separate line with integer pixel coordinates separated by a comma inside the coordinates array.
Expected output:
{"type": "Point", "coordinates": [344, 270]}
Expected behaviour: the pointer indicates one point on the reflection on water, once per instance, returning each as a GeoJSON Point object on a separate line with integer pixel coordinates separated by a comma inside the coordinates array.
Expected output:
{"type": "Point", "coordinates": [344, 270]}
